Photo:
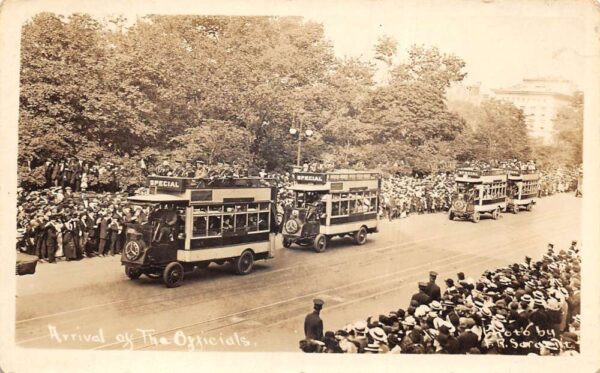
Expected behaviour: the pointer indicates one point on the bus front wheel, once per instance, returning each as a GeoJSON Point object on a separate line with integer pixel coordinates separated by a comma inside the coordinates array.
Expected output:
{"type": "Point", "coordinates": [320, 243]}
{"type": "Point", "coordinates": [529, 206]}
{"type": "Point", "coordinates": [287, 243]}
{"type": "Point", "coordinates": [173, 275]}
{"type": "Point", "coordinates": [476, 217]}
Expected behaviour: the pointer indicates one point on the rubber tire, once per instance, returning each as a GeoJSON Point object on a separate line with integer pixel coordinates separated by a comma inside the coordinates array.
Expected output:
{"type": "Point", "coordinates": [320, 243]}
{"type": "Point", "coordinates": [476, 217]}
{"type": "Point", "coordinates": [243, 264]}
{"type": "Point", "coordinates": [360, 237]}
{"type": "Point", "coordinates": [529, 207]}
{"type": "Point", "coordinates": [287, 243]}
{"type": "Point", "coordinates": [515, 209]}
{"type": "Point", "coordinates": [451, 216]}
{"type": "Point", "coordinates": [496, 214]}
{"type": "Point", "coordinates": [132, 272]}
{"type": "Point", "coordinates": [173, 275]}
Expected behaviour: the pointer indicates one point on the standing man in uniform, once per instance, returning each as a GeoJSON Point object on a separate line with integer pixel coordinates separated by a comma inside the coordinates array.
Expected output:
{"type": "Point", "coordinates": [313, 325]}
{"type": "Point", "coordinates": [432, 289]}
{"type": "Point", "coordinates": [421, 297]}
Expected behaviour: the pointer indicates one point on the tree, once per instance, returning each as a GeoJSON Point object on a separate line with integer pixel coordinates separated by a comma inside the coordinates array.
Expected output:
{"type": "Point", "coordinates": [502, 132]}
{"type": "Point", "coordinates": [568, 125]}
{"type": "Point", "coordinates": [430, 66]}
{"type": "Point", "coordinates": [214, 141]}
{"type": "Point", "coordinates": [386, 49]}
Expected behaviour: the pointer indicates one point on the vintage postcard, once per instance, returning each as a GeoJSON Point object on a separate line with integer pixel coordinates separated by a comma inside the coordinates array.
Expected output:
{"type": "Point", "coordinates": [300, 185]}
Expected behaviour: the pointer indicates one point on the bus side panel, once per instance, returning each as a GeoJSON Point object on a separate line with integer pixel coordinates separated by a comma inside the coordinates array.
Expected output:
{"type": "Point", "coordinates": [352, 218]}
{"type": "Point", "coordinates": [215, 253]}
{"type": "Point", "coordinates": [211, 242]}
{"type": "Point", "coordinates": [349, 227]}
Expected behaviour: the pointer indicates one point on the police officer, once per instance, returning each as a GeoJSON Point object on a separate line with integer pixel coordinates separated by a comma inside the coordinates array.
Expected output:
{"type": "Point", "coordinates": [432, 289]}
{"type": "Point", "coordinates": [421, 297]}
{"type": "Point", "coordinates": [313, 325]}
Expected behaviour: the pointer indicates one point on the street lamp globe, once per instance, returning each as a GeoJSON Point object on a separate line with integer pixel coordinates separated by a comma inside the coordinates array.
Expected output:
{"type": "Point", "coordinates": [293, 131]}
{"type": "Point", "coordinates": [309, 133]}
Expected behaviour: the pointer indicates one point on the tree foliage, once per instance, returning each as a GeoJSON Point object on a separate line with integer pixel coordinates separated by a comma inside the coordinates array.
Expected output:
{"type": "Point", "coordinates": [230, 88]}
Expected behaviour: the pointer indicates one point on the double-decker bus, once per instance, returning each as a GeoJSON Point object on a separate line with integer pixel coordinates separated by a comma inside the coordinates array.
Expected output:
{"type": "Point", "coordinates": [478, 192]}
{"type": "Point", "coordinates": [193, 222]}
{"type": "Point", "coordinates": [523, 189]}
{"type": "Point", "coordinates": [340, 203]}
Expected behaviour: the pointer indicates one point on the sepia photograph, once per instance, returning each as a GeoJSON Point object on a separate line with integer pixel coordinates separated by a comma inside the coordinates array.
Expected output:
{"type": "Point", "coordinates": [265, 181]}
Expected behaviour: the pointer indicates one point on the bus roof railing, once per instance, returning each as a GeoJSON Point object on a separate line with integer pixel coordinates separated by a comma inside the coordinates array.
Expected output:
{"type": "Point", "coordinates": [218, 182]}
{"type": "Point", "coordinates": [477, 172]}
{"type": "Point", "coordinates": [518, 172]}
{"type": "Point", "coordinates": [342, 175]}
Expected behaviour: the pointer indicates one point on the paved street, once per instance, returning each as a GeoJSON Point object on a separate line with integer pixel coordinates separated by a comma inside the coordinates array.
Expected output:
{"type": "Point", "coordinates": [91, 304]}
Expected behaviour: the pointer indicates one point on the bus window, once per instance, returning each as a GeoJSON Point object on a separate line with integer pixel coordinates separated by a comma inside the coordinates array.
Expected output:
{"type": "Point", "coordinates": [335, 208]}
{"type": "Point", "coordinates": [242, 207]}
{"type": "Point", "coordinates": [241, 222]}
{"type": "Point", "coordinates": [253, 207]}
{"type": "Point", "coordinates": [252, 222]}
{"type": "Point", "coordinates": [228, 223]}
{"type": "Point", "coordinates": [373, 206]}
{"type": "Point", "coordinates": [200, 209]}
{"type": "Point", "coordinates": [264, 206]}
{"type": "Point", "coordinates": [336, 196]}
{"type": "Point", "coordinates": [344, 207]}
{"type": "Point", "coordinates": [263, 221]}
{"type": "Point", "coordinates": [214, 225]}
{"type": "Point", "coordinates": [199, 226]}
{"type": "Point", "coordinates": [352, 206]}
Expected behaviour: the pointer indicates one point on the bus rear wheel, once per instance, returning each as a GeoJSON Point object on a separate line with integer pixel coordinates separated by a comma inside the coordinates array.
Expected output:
{"type": "Point", "coordinates": [360, 237]}
{"type": "Point", "coordinates": [320, 243]}
{"type": "Point", "coordinates": [476, 217]}
{"type": "Point", "coordinates": [515, 209]}
{"type": "Point", "coordinates": [529, 206]}
{"type": "Point", "coordinates": [243, 264]}
{"type": "Point", "coordinates": [173, 275]}
{"type": "Point", "coordinates": [496, 214]}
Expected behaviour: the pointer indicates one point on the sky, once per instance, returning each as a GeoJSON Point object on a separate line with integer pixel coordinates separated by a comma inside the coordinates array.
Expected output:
{"type": "Point", "coordinates": [501, 41]}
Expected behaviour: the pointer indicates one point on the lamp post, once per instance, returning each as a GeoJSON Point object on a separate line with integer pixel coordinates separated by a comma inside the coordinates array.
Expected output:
{"type": "Point", "coordinates": [307, 133]}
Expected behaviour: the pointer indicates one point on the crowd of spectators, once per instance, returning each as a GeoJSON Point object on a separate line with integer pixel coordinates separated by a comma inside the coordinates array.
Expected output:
{"type": "Point", "coordinates": [71, 219]}
{"type": "Point", "coordinates": [77, 174]}
{"type": "Point", "coordinates": [528, 308]}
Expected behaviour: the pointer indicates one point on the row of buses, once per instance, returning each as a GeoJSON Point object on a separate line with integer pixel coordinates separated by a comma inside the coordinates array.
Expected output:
{"type": "Point", "coordinates": [195, 222]}
{"type": "Point", "coordinates": [493, 191]}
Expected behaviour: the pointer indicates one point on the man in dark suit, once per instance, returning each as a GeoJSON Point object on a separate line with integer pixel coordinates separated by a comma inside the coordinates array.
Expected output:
{"type": "Point", "coordinates": [102, 234]}
{"type": "Point", "coordinates": [51, 240]}
{"type": "Point", "coordinates": [432, 289]}
{"type": "Point", "coordinates": [313, 325]}
{"type": "Point", "coordinates": [421, 297]}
